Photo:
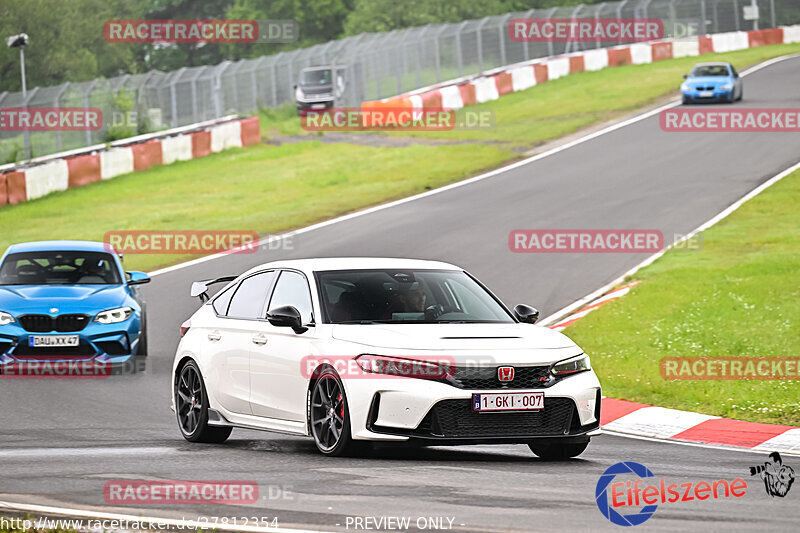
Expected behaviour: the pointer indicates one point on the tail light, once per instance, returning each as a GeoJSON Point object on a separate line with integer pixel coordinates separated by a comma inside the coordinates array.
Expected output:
{"type": "Point", "coordinates": [185, 327]}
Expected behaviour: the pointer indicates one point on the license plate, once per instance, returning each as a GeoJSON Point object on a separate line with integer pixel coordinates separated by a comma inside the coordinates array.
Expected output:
{"type": "Point", "coordinates": [706, 94]}
{"type": "Point", "coordinates": [508, 401]}
{"type": "Point", "coordinates": [317, 106]}
{"type": "Point", "coordinates": [52, 340]}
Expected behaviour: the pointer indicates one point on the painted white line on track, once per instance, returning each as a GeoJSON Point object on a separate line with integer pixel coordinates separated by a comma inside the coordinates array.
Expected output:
{"type": "Point", "coordinates": [490, 174]}
{"type": "Point", "coordinates": [141, 519]}
{"type": "Point", "coordinates": [81, 452]}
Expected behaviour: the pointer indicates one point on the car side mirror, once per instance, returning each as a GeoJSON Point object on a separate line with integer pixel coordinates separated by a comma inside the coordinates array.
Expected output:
{"type": "Point", "coordinates": [137, 278]}
{"type": "Point", "coordinates": [686, 76]}
{"type": "Point", "coordinates": [286, 317]}
{"type": "Point", "coordinates": [526, 313]}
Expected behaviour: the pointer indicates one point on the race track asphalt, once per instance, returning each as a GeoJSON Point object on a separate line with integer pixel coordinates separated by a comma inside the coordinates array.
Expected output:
{"type": "Point", "coordinates": [61, 440]}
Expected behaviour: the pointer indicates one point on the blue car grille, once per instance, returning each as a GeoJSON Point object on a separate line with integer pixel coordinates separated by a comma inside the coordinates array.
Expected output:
{"type": "Point", "coordinates": [82, 350]}
{"type": "Point", "coordinates": [47, 323]}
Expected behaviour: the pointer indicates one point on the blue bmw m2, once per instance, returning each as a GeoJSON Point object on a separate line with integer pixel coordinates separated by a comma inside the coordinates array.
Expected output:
{"type": "Point", "coordinates": [69, 301]}
{"type": "Point", "coordinates": [712, 82]}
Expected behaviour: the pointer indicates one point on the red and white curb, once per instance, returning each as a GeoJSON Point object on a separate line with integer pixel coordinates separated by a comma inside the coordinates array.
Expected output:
{"type": "Point", "coordinates": [612, 295]}
{"type": "Point", "coordinates": [631, 418]}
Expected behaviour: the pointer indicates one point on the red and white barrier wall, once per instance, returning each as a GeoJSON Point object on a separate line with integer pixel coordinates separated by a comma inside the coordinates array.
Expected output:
{"type": "Point", "coordinates": [525, 75]}
{"type": "Point", "coordinates": [31, 182]}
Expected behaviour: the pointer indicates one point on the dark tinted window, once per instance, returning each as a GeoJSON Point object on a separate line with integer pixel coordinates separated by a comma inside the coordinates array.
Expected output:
{"type": "Point", "coordinates": [710, 70]}
{"type": "Point", "coordinates": [60, 268]}
{"type": "Point", "coordinates": [248, 301]}
{"type": "Point", "coordinates": [292, 289]}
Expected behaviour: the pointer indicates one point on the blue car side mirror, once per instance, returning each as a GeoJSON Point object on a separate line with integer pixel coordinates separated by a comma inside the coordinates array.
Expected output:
{"type": "Point", "coordinates": [137, 278]}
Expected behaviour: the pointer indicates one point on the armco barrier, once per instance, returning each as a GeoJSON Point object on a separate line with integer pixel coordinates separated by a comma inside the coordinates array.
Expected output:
{"type": "Point", "coordinates": [3, 190]}
{"type": "Point", "coordinates": [522, 78]}
{"type": "Point", "coordinates": [201, 144]}
{"type": "Point", "coordinates": [451, 97]}
{"type": "Point", "coordinates": [619, 56]}
{"type": "Point", "coordinates": [685, 48]}
{"type": "Point", "coordinates": [705, 44]}
{"type": "Point", "coordinates": [432, 100]}
{"type": "Point", "coordinates": [765, 37]}
{"type": "Point", "coordinates": [177, 148]}
{"type": "Point", "coordinates": [576, 64]}
{"type": "Point", "coordinates": [595, 59]}
{"type": "Point", "coordinates": [467, 91]}
{"type": "Point", "coordinates": [116, 162]}
{"type": "Point", "coordinates": [224, 136]}
{"type": "Point", "coordinates": [728, 42]}
{"type": "Point", "coordinates": [146, 155]}
{"type": "Point", "coordinates": [791, 34]}
{"type": "Point", "coordinates": [557, 67]}
{"type": "Point", "coordinates": [540, 73]}
{"type": "Point", "coordinates": [641, 53]}
{"type": "Point", "coordinates": [251, 131]}
{"type": "Point", "coordinates": [39, 177]}
{"type": "Point", "coordinates": [485, 90]}
{"type": "Point", "coordinates": [43, 179]}
{"type": "Point", "coordinates": [662, 51]}
{"type": "Point", "coordinates": [504, 83]}
{"type": "Point", "coordinates": [83, 169]}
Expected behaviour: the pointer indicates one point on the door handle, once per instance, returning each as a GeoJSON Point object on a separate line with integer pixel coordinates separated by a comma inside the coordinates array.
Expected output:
{"type": "Point", "coordinates": [259, 339]}
{"type": "Point", "coordinates": [214, 336]}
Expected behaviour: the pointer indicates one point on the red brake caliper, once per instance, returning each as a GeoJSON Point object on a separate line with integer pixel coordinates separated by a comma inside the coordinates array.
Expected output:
{"type": "Point", "coordinates": [340, 399]}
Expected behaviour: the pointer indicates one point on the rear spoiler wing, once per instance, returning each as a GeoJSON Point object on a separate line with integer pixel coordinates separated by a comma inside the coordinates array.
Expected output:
{"type": "Point", "coordinates": [200, 288]}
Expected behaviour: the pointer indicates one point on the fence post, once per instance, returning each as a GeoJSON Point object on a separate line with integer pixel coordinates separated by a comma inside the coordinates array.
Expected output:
{"type": "Point", "coordinates": [549, 15]}
{"type": "Point", "coordinates": [86, 104]}
{"type": "Point", "coordinates": [59, 145]}
{"type": "Point", "coordinates": [703, 15]}
{"type": "Point", "coordinates": [527, 42]}
{"type": "Point", "coordinates": [619, 17]}
{"type": "Point", "coordinates": [736, 15]}
{"type": "Point", "coordinates": [438, 52]}
{"type": "Point", "coordinates": [275, 80]}
{"type": "Point", "coordinates": [572, 18]}
{"type": "Point", "coordinates": [772, 9]}
{"type": "Point", "coordinates": [458, 47]}
{"type": "Point", "coordinates": [480, 43]}
{"type": "Point", "coordinates": [503, 36]}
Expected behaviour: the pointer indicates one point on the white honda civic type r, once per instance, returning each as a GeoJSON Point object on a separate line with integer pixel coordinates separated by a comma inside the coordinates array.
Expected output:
{"type": "Point", "coordinates": [353, 350]}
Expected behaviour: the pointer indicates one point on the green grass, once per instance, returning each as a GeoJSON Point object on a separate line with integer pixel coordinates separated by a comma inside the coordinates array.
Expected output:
{"type": "Point", "coordinates": [737, 296]}
{"type": "Point", "coordinates": [271, 188]}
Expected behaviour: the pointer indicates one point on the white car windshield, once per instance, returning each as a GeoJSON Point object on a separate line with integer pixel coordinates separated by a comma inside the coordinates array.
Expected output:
{"type": "Point", "coordinates": [407, 296]}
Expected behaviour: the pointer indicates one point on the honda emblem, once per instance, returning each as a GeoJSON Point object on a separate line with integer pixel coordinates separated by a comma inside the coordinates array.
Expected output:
{"type": "Point", "coordinates": [505, 373]}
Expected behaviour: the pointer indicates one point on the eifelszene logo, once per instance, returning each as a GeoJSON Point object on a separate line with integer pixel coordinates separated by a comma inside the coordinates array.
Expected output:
{"type": "Point", "coordinates": [778, 477]}
{"type": "Point", "coordinates": [632, 493]}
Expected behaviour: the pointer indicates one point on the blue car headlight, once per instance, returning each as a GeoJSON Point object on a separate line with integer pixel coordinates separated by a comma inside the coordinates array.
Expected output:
{"type": "Point", "coordinates": [726, 87]}
{"type": "Point", "coordinates": [113, 316]}
{"type": "Point", "coordinates": [5, 318]}
{"type": "Point", "coordinates": [685, 87]}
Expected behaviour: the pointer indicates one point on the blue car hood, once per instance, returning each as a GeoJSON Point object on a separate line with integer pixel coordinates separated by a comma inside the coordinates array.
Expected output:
{"type": "Point", "coordinates": [17, 299]}
{"type": "Point", "coordinates": [709, 80]}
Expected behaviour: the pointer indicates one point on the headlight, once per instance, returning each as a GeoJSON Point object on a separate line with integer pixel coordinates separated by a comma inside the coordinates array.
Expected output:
{"type": "Point", "coordinates": [573, 365]}
{"type": "Point", "coordinates": [685, 87]}
{"type": "Point", "coordinates": [726, 87]}
{"type": "Point", "coordinates": [298, 94]}
{"type": "Point", "coordinates": [400, 367]}
{"type": "Point", "coordinates": [112, 316]}
{"type": "Point", "coordinates": [5, 318]}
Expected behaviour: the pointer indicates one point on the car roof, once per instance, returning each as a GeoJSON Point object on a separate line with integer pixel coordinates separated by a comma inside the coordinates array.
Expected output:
{"type": "Point", "coordinates": [51, 246]}
{"type": "Point", "coordinates": [713, 64]}
{"type": "Point", "coordinates": [356, 263]}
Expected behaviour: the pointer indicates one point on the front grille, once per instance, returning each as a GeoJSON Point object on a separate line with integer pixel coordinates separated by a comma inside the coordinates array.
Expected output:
{"type": "Point", "coordinates": [47, 323]}
{"type": "Point", "coordinates": [485, 378]}
{"type": "Point", "coordinates": [83, 349]}
{"type": "Point", "coordinates": [113, 347]}
{"type": "Point", "coordinates": [456, 419]}
{"type": "Point", "coordinates": [4, 346]}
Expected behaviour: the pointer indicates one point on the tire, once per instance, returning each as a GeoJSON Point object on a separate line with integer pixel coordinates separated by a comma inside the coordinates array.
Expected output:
{"type": "Point", "coordinates": [741, 94]}
{"type": "Point", "coordinates": [191, 407]}
{"type": "Point", "coordinates": [686, 101]}
{"type": "Point", "coordinates": [141, 349]}
{"type": "Point", "coordinates": [329, 416]}
{"type": "Point", "coordinates": [553, 450]}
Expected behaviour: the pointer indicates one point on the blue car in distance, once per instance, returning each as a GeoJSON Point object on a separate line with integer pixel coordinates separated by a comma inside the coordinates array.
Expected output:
{"type": "Point", "coordinates": [712, 82]}
{"type": "Point", "coordinates": [69, 301]}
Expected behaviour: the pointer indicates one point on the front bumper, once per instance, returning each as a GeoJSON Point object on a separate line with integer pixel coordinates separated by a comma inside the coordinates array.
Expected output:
{"type": "Point", "coordinates": [717, 95]}
{"type": "Point", "coordinates": [103, 343]}
{"type": "Point", "coordinates": [397, 409]}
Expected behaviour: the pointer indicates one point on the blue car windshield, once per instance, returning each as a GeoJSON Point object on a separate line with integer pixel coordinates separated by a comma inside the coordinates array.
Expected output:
{"type": "Point", "coordinates": [59, 268]}
{"type": "Point", "coordinates": [709, 70]}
